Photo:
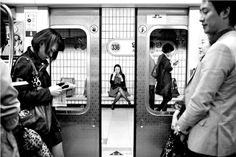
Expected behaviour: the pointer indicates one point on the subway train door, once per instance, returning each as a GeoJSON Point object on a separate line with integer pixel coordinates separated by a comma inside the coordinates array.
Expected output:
{"type": "Point", "coordinates": [78, 109]}
{"type": "Point", "coordinates": [155, 28]}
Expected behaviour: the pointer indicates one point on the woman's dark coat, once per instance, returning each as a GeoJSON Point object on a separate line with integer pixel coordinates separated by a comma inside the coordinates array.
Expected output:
{"type": "Point", "coordinates": [164, 78]}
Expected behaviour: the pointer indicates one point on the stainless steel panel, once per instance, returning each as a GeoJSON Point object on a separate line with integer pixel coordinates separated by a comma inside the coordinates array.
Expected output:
{"type": "Point", "coordinates": [81, 132]}
{"type": "Point", "coordinates": [152, 130]}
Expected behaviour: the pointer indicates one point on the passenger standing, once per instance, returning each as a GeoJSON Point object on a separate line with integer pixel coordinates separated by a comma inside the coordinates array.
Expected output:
{"type": "Point", "coordinates": [152, 80]}
{"type": "Point", "coordinates": [210, 97]}
{"type": "Point", "coordinates": [10, 106]}
{"type": "Point", "coordinates": [164, 78]}
{"type": "Point", "coordinates": [203, 47]}
{"type": "Point", "coordinates": [45, 46]}
{"type": "Point", "coordinates": [118, 86]}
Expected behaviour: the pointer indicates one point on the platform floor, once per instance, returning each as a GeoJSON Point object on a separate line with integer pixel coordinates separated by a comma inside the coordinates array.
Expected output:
{"type": "Point", "coordinates": [117, 132]}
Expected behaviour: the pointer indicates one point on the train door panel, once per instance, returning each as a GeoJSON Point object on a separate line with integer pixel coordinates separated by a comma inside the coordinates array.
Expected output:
{"type": "Point", "coordinates": [159, 26]}
{"type": "Point", "coordinates": [79, 114]}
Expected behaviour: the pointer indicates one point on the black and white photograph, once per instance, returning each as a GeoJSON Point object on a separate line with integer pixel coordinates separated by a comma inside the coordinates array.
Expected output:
{"type": "Point", "coordinates": [108, 78]}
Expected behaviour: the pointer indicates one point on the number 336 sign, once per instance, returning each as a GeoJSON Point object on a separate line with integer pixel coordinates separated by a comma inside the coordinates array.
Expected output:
{"type": "Point", "coordinates": [122, 47]}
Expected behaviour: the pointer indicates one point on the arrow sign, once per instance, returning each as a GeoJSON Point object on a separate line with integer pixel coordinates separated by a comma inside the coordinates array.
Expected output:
{"type": "Point", "coordinates": [116, 153]}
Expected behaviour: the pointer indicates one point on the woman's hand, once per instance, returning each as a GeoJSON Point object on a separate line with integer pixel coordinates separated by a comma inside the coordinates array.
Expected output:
{"type": "Point", "coordinates": [174, 63]}
{"type": "Point", "coordinates": [55, 90]}
{"type": "Point", "coordinates": [174, 121]}
{"type": "Point", "coordinates": [120, 76]}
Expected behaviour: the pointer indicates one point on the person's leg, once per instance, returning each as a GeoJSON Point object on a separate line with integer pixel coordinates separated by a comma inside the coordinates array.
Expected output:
{"type": "Point", "coordinates": [166, 100]}
{"type": "Point", "coordinates": [163, 106]}
{"type": "Point", "coordinates": [56, 138]}
{"type": "Point", "coordinates": [159, 108]}
{"type": "Point", "coordinates": [115, 100]}
{"type": "Point", "coordinates": [151, 96]}
{"type": "Point", "coordinates": [124, 95]}
{"type": "Point", "coordinates": [57, 150]}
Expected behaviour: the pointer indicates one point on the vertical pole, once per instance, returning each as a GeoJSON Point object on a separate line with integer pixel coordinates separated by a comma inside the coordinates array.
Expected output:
{"type": "Point", "coordinates": [11, 33]}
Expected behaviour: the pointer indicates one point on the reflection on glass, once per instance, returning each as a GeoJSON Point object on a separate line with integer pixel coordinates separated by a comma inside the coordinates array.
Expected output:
{"type": "Point", "coordinates": [71, 66]}
{"type": "Point", "coordinates": [167, 67]}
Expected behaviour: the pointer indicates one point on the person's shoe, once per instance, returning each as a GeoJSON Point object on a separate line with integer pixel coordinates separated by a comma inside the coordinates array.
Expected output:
{"type": "Point", "coordinates": [157, 108]}
{"type": "Point", "coordinates": [164, 109]}
{"type": "Point", "coordinates": [129, 103]}
{"type": "Point", "coordinates": [112, 106]}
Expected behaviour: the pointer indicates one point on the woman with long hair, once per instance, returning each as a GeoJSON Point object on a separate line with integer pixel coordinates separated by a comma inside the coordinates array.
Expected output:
{"type": "Point", "coordinates": [118, 86]}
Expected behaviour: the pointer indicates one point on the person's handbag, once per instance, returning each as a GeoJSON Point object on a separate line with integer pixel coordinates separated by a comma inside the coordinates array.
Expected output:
{"type": "Point", "coordinates": [154, 72]}
{"type": "Point", "coordinates": [37, 117]}
{"type": "Point", "coordinates": [174, 147]}
{"type": "Point", "coordinates": [33, 143]}
{"type": "Point", "coordinates": [174, 88]}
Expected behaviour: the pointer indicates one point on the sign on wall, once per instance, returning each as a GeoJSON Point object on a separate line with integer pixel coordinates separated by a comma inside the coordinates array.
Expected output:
{"type": "Point", "coordinates": [121, 47]}
{"type": "Point", "coordinates": [30, 23]}
{"type": "Point", "coordinates": [157, 19]}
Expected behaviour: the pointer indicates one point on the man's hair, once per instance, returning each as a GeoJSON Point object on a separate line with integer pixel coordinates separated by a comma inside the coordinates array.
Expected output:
{"type": "Point", "coordinates": [167, 48]}
{"type": "Point", "coordinates": [223, 5]}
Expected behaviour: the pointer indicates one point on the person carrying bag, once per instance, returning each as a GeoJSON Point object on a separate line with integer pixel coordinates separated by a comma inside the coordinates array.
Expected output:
{"type": "Point", "coordinates": [37, 117]}
{"type": "Point", "coordinates": [38, 96]}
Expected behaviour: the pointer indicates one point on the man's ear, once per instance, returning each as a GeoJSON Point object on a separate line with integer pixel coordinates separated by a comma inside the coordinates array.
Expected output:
{"type": "Point", "coordinates": [225, 13]}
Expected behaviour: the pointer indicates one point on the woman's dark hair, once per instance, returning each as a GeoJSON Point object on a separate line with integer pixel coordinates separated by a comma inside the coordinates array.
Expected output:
{"type": "Point", "coordinates": [223, 5]}
{"type": "Point", "coordinates": [152, 45]}
{"type": "Point", "coordinates": [48, 37]}
{"type": "Point", "coordinates": [166, 48]}
{"type": "Point", "coordinates": [118, 65]}
{"type": "Point", "coordinates": [3, 39]}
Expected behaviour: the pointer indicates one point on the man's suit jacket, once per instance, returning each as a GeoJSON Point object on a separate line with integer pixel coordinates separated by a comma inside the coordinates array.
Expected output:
{"type": "Point", "coordinates": [210, 99]}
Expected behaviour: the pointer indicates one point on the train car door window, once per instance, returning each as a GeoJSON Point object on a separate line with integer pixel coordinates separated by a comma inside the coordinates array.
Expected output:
{"type": "Point", "coordinates": [167, 51]}
{"type": "Point", "coordinates": [71, 66]}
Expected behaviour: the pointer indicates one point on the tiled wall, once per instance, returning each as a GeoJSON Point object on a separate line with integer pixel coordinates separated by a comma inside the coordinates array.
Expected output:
{"type": "Point", "coordinates": [72, 63]}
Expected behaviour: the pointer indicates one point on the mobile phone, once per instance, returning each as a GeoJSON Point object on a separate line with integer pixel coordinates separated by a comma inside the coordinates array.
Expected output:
{"type": "Point", "coordinates": [60, 83]}
{"type": "Point", "coordinates": [65, 86]}
{"type": "Point", "coordinates": [176, 62]}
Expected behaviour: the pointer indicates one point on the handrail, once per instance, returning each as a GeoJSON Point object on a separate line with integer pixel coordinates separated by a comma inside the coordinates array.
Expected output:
{"type": "Point", "coordinates": [11, 34]}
